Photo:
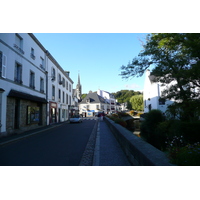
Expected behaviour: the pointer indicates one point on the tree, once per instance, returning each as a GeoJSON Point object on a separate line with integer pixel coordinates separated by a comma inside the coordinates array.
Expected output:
{"type": "Point", "coordinates": [137, 102]}
{"type": "Point", "coordinates": [174, 57]}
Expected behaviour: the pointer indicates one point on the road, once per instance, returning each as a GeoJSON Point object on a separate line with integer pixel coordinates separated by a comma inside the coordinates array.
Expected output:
{"type": "Point", "coordinates": [60, 146]}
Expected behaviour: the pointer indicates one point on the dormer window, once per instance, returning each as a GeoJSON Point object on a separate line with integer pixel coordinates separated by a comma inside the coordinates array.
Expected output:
{"type": "Point", "coordinates": [161, 101]}
{"type": "Point", "coordinates": [87, 100]}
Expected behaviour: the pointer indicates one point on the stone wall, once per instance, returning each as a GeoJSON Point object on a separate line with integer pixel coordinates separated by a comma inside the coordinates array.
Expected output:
{"type": "Point", "coordinates": [139, 152]}
{"type": "Point", "coordinates": [23, 126]}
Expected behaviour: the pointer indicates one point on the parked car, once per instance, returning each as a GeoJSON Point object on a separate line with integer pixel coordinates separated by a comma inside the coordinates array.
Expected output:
{"type": "Point", "coordinates": [76, 119]}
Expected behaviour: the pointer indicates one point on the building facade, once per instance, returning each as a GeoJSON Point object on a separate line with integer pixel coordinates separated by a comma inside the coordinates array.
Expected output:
{"type": "Point", "coordinates": [92, 104]}
{"type": "Point", "coordinates": [113, 106]}
{"type": "Point", "coordinates": [152, 94]}
{"type": "Point", "coordinates": [34, 90]}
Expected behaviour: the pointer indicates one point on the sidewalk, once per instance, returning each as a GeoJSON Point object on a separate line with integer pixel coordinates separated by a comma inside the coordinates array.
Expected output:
{"type": "Point", "coordinates": [107, 150]}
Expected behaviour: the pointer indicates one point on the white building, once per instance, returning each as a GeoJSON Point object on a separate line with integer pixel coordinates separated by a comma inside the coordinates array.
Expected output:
{"type": "Point", "coordinates": [92, 104]}
{"type": "Point", "coordinates": [152, 94]}
{"type": "Point", "coordinates": [112, 102]}
{"type": "Point", "coordinates": [34, 89]}
{"type": "Point", "coordinates": [60, 90]}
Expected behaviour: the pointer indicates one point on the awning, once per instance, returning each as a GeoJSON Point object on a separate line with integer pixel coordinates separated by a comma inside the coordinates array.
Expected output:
{"type": "Point", "coordinates": [22, 95]}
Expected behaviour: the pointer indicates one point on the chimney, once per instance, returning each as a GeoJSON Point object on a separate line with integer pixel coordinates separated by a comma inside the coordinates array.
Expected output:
{"type": "Point", "coordinates": [67, 73]}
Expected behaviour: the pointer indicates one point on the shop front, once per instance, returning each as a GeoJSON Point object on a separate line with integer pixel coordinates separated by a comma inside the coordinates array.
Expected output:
{"type": "Point", "coordinates": [53, 112]}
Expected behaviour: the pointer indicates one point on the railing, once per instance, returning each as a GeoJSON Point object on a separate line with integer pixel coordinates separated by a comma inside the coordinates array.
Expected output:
{"type": "Point", "coordinates": [18, 48]}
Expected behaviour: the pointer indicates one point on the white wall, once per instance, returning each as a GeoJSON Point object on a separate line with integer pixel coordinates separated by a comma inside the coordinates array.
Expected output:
{"type": "Point", "coordinates": [13, 55]}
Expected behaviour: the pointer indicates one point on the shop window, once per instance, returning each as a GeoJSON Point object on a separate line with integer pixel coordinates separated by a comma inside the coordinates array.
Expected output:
{"type": "Point", "coordinates": [33, 114]}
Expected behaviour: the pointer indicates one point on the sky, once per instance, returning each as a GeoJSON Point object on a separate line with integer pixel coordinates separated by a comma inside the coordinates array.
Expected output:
{"type": "Point", "coordinates": [97, 57]}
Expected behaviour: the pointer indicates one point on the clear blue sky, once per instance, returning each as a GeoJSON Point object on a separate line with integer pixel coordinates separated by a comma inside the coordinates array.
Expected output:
{"type": "Point", "coordinates": [96, 56]}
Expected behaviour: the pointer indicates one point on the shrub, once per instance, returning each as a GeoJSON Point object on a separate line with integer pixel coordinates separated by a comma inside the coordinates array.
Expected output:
{"type": "Point", "coordinates": [132, 112]}
{"type": "Point", "coordinates": [189, 130]}
{"type": "Point", "coordinates": [188, 155]}
{"type": "Point", "coordinates": [121, 122]}
{"type": "Point", "coordinates": [122, 114]}
{"type": "Point", "coordinates": [149, 126]}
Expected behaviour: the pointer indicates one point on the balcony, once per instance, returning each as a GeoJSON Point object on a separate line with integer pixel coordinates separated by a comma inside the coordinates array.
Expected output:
{"type": "Point", "coordinates": [19, 81]}
{"type": "Point", "coordinates": [32, 56]}
{"type": "Point", "coordinates": [18, 48]}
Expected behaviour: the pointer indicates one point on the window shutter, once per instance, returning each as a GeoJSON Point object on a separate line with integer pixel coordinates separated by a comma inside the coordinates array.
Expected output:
{"type": "Point", "coordinates": [4, 63]}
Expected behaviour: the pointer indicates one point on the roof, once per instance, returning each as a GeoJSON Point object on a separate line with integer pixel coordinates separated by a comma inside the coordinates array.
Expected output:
{"type": "Point", "coordinates": [93, 98]}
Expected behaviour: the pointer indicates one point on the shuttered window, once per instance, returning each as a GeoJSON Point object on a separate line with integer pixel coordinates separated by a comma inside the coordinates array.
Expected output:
{"type": "Point", "coordinates": [3, 63]}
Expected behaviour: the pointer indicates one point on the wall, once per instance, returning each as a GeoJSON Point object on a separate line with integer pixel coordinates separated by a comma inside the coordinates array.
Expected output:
{"type": "Point", "coordinates": [139, 152]}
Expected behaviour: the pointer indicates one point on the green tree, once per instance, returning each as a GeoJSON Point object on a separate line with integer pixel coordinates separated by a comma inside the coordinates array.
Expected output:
{"type": "Point", "coordinates": [83, 96]}
{"type": "Point", "coordinates": [137, 102]}
{"type": "Point", "coordinates": [174, 57]}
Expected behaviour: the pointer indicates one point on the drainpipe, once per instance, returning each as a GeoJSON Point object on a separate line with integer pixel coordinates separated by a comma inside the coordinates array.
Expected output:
{"type": "Point", "coordinates": [1, 91]}
{"type": "Point", "coordinates": [47, 82]}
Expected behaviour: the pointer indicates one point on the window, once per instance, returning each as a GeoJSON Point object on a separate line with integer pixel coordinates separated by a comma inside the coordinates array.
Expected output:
{"type": "Point", "coordinates": [66, 98]}
{"type": "Point", "coordinates": [32, 80]}
{"type": "Point", "coordinates": [59, 79]}
{"type": "Point", "coordinates": [63, 82]}
{"type": "Point", "coordinates": [53, 75]}
{"type": "Point", "coordinates": [63, 97]}
{"type": "Point", "coordinates": [70, 87]}
{"type": "Point", "coordinates": [18, 73]}
{"type": "Point", "coordinates": [70, 100]}
{"type": "Point", "coordinates": [59, 95]}
{"type": "Point", "coordinates": [3, 63]}
{"type": "Point", "coordinates": [32, 54]}
{"type": "Point", "coordinates": [42, 85]}
{"type": "Point", "coordinates": [33, 115]}
{"type": "Point", "coordinates": [53, 92]}
{"type": "Point", "coordinates": [161, 101]}
{"type": "Point", "coordinates": [42, 63]}
{"type": "Point", "coordinates": [66, 85]}
{"type": "Point", "coordinates": [97, 107]}
{"type": "Point", "coordinates": [19, 43]}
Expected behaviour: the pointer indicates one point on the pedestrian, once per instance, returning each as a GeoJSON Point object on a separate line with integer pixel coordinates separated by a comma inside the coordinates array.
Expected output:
{"type": "Point", "coordinates": [101, 116]}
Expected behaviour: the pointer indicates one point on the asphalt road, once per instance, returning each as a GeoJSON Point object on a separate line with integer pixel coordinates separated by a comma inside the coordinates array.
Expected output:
{"type": "Point", "coordinates": [61, 146]}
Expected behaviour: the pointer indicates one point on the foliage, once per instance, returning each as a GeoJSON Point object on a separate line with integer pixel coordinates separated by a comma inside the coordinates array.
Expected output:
{"type": "Point", "coordinates": [137, 102]}
{"type": "Point", "coordinates": [132, 112]}
{"type": "Point", "coordinates": [122, 114]}
{"type": "Point", "coordinates": [83, 96]}
{"type": "Point", "coordinates": [124, 95]}
{"type": "Point", "coordinates": [149, 128]}
{"type": "Point", "coordinates": [116, 118]}
{"type": "Point", "coordinates": [121, 122]}
{"type": "Point", "coordinates": [183, 155]}
{"type": "Point", "coordinates": [175, 58]}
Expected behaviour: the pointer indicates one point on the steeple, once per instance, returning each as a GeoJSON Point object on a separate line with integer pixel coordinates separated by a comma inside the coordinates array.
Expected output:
{"type": "Point", "coordinates": [79, 88]}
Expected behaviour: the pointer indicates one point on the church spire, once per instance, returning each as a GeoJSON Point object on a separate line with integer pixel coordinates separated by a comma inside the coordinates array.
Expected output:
{"type": "Point", "coordinates": [79, 88]}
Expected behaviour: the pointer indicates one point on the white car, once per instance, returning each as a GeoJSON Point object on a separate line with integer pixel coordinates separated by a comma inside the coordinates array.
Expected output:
{"type": "Point", "coordinates": [76, 119]}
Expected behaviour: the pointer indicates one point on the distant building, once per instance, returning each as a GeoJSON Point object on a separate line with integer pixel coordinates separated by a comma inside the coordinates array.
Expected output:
{"type": "Point", "coordinates": [92, 104]}
{"type": "Point", "coordinates": [112, 102]}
